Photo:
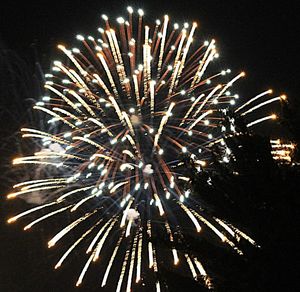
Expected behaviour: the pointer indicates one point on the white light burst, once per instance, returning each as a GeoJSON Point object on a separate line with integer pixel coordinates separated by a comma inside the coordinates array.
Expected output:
{"type": "Point", "coordinates": [127, 107]}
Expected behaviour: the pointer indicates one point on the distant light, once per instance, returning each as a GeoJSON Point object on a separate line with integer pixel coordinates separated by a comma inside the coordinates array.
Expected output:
{"type": "Point", "coordinates": [57, 63]}
{"type": "Point", "coordinates": [68, 134]}
{"type": "Point", "coordinates": [140, 12]}
{"type": "Point", "coordinates": [168, 195]}
{"type": "Point", "coordinates": [113, 141]}
{"type": "Point", "coordinates": [91, 165]}
{"type": "Point", "coordinates": [120, 20]}
{"type": "Point", "coordinates": [80, 37]}
{"type": "Point", "coordinates": [228, 151]}
{"type": "Point", "coordinates": [104, 17]}
{"type": "Point", "coordinates": [225, 159]}
{"type": "Point", "coordinates": [130, 9]}
{"type": "Point", "coordinates": [46, 98]}
{"type": "Point", "coordinates": [283, 97]}
{"type": "Point", "coordinates": [75, 50]}
{"type": "Point", "coordinates": [187, 193]}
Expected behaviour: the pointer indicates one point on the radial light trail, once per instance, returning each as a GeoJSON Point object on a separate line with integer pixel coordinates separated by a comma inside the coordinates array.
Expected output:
{"type": "Point", "coordinates": [123, 110]}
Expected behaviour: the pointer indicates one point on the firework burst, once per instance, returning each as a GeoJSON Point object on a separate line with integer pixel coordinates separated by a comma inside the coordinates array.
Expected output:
{"type": "Point", "coordinates": [125, 110]}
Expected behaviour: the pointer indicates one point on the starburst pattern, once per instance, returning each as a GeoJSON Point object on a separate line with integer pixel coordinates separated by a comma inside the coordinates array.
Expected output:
{"type": "Point", "coordinates": [125, 110]}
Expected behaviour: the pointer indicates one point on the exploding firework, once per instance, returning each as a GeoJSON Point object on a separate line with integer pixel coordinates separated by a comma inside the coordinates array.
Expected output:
{"type": "Point", "coordinates": [125, 110]}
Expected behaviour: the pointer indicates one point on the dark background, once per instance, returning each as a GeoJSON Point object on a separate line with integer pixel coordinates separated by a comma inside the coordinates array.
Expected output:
{"type": "Point", "coordinates": [259, 37]}
{"type": "Point", "coordinates": [256, 36]}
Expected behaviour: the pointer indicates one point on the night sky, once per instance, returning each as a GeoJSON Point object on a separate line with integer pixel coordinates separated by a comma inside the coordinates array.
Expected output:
{"type": "Point", "coordinates": [259, 37]}
{"type": "Point", "coordinates": [254, 36]}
